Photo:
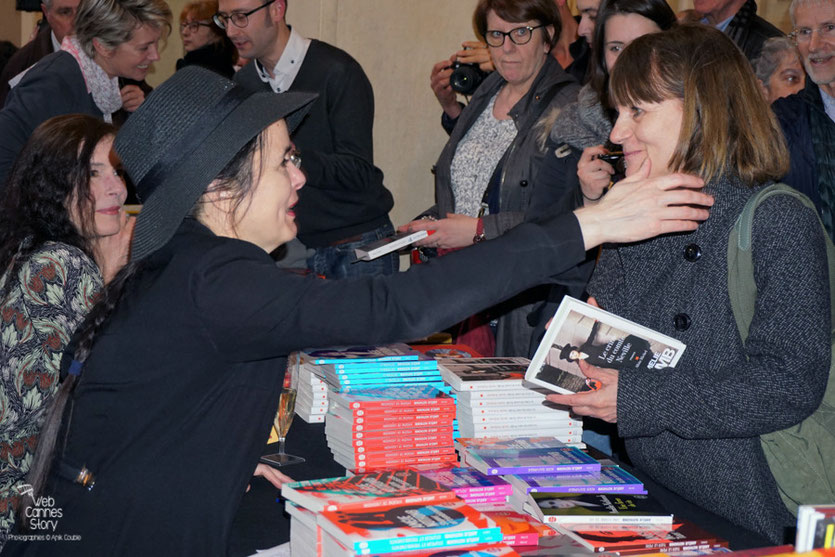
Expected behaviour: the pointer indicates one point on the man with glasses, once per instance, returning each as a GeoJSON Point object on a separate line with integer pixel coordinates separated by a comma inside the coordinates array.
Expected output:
{"type": "Point", "coordinates": [60, 19]}
{"type": "Point", "coordinates": [345, 203]}
{"type": "Point", "coordinates": [808, 117]}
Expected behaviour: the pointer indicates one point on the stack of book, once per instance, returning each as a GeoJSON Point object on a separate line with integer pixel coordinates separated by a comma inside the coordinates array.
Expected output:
{"type": "Point", "coordinates": [610, 479]}
{"type": "Point", "coordinates": [380, 513]}
{"type": "Point", "coordinates": [390, 427]}
{"type": "Point", "coordinates": [470, 485]}
{"type": "Point", "coordinates": [404, 528]}
{"type": "Point", "coordinates": [815, 527]}
{"type": "Point", "coordinates": [597, 508]}
{"type": "Point", "coordinates": [517, 528]}
{"type": "Point", "coordinates": [312, 395]}
{"type": "Point", "coordinates": [493, 402]}
{"type": "Point", "coordinates": [531, 455]}
{"type": "Point", "coordinates": [363, 367]}
{"type": "Point", "coordinates": [632, 539]}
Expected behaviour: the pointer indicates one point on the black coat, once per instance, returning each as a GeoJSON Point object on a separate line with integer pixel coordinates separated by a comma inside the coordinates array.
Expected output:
{"type": "Point", "coordinates": [219, 56]}
{"type": "Point", "coordinates": [175, 403]}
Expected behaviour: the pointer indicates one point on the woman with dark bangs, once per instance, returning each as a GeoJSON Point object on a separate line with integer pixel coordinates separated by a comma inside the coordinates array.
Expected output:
{"type": "Point", "coordinates": [62, 236]}
{"type": "Point", "coordinates": [689, 102]}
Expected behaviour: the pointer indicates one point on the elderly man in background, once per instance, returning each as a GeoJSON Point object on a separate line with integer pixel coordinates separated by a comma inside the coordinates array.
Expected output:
{"type": "Point", "coordinates": [60, 19]}
{"type": "Point", "coordinates": [738, 19]}
{"type": "Point", "coordinates": [808, 117]}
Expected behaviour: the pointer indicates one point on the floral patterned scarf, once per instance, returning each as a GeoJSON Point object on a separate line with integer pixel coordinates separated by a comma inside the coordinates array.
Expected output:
{"type": "Point", "coordinates": [105, 89]}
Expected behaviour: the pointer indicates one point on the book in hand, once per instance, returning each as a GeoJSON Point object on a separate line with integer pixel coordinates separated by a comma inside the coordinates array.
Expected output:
{"type": "Point", "coordinates": [379, 248]}
{"type": "Point", "coordinates": [557, 460]}
{"type": "Point", "coordinates": [409, 527]}
{"type": "Point", "coordinates": [567, 508]}
{"type": "Point", "coordinates": [579, 331]}
{"type": "Point", "coordinates": [636, 538]}
{"type": "Point", "coordinates": [366, 491]}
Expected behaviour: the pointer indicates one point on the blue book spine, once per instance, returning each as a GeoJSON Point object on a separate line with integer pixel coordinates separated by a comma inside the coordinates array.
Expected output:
{"type": "Point", "coordinates": [428, 541]}
{"type": "Point", "coordinates": [402, 358]}
{"type": "Point", "coordinates": [389, 380]}
{"type": "Point", "coordinates": [371, 375]}
{"type": "Point", "coordinates": [386, 366]}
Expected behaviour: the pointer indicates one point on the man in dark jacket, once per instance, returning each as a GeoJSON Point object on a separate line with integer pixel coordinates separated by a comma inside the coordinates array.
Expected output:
{"type": "Point", "coordinates": [345, 203]}
{"type": "Point", "coordinates": [60, 18]}
{"type": "Point", "coordinates": [808, 117]}
{"type": "Point", "coordinates": [738, 19]}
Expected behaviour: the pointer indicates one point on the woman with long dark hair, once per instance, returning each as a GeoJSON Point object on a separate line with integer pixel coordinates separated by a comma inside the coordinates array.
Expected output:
{"type": "Point", "coordinates": [61, 234]}
{"type": "Point", "coordinates": [157, 447]}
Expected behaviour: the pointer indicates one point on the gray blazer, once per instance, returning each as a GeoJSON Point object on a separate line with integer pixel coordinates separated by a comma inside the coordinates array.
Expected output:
{"type": "Point", "coordinates": [696, 429]}
{"type": "Point", "coordinates": [522, 161]}
{"type": "Point", "coordinates": [522, 158]}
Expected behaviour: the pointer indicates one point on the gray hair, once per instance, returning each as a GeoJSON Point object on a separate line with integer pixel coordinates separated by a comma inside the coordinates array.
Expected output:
{"type": "Point", "coordinates": [113, 22]}
{"type": "Point", "coordinates": [771, 55]}
{"type": "Point", "coordinates": [795, 3]}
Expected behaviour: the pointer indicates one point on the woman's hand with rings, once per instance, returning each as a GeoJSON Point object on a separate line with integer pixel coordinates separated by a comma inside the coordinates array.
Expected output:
{"type": "Point", "coordinates": [595, 174]}
{"type": "Point", "coordinates": [455, 231]}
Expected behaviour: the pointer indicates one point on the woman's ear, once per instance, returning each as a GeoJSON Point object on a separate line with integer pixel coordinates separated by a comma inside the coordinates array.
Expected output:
{"type": "Point", "coordinates": [549, 32]}
{"type": "Point", "coordinates": [100, 49]}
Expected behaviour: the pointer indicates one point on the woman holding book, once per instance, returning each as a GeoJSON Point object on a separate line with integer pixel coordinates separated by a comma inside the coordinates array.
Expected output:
{"type": "Point", "coordinates": [689, 102]}
{"type": "Point", "coordinates": [161, 443]}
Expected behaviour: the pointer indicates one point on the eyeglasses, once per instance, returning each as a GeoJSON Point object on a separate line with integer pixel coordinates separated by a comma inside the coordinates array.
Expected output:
{"type": "Point", "coordinates": [294, 157]}
{"type": "Point", "coordinates": [519, 36]}
{"type": "Point", "coordinates": [239, 19]}
{"type": "Point", "coordinates": [804, 34]}
{"type": "Point", "coordinates": [193, 26]}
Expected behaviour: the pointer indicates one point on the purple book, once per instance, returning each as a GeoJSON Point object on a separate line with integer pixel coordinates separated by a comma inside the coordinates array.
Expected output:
{"type": "Point", "coordinates": [467, 483]}
{"type": "Point", "coordinates": [552, 460]}
{"type": "Point", "coordinates": [611, 479]}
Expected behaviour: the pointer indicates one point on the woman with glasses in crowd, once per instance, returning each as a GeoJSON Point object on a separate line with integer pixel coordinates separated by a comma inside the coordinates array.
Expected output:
{"type": "Point", "coordinates": [112, 40]}
{"type": "Point", "coordinates": [484, 177]}
{"type": "Point", "coordinates": [63, 234]}
{"type": "Point", "coordinates": [688, 101]}
{"type": "Point", "coordinates": [159, 443]}
{"type": "Point", "coordinates": [205, 43]}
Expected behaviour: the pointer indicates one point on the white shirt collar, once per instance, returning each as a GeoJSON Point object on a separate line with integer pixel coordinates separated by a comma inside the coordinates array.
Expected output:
{"type": "Point", "coordinates": [288, 65]}
{"type": "Point", "coordinates": [828, 103]}
{"type": "Point", "coordinates": [56, 45]}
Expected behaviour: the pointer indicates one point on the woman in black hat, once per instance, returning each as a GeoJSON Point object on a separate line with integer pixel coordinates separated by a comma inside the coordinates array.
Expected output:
{"type": "Point", "coordinates": [182, 362]}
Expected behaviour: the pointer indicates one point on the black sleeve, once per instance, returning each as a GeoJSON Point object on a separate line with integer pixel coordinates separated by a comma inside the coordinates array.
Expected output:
{"type": "Point", "coordinates": [252, 310]}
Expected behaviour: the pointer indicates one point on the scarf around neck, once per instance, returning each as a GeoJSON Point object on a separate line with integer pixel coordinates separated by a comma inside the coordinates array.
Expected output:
{"type": "Point", "coordinates": [105, 89]}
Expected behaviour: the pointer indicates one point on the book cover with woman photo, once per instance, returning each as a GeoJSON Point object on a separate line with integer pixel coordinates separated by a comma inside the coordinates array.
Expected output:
{"type": "Point", "coordinates": [580, 331]}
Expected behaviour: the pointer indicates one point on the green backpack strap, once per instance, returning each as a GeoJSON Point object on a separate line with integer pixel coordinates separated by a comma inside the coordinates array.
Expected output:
{"type": "Point", "coordinates": [801, 457]}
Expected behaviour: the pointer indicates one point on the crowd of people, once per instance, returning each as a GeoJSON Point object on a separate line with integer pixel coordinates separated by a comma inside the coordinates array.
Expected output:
{"type": "Point", "coordinates": [254, 167]}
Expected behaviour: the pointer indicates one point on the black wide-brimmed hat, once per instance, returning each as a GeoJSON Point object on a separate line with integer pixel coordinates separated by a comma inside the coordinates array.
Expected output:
{"type": "Point", "coordinates": [183, 135]}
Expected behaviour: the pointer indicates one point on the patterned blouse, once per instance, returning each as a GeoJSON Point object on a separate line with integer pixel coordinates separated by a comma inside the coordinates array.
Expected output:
{"type": "Point", "coordinates": [476, 158]}
{"type": "Point", "coordinates": [43, 305]}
